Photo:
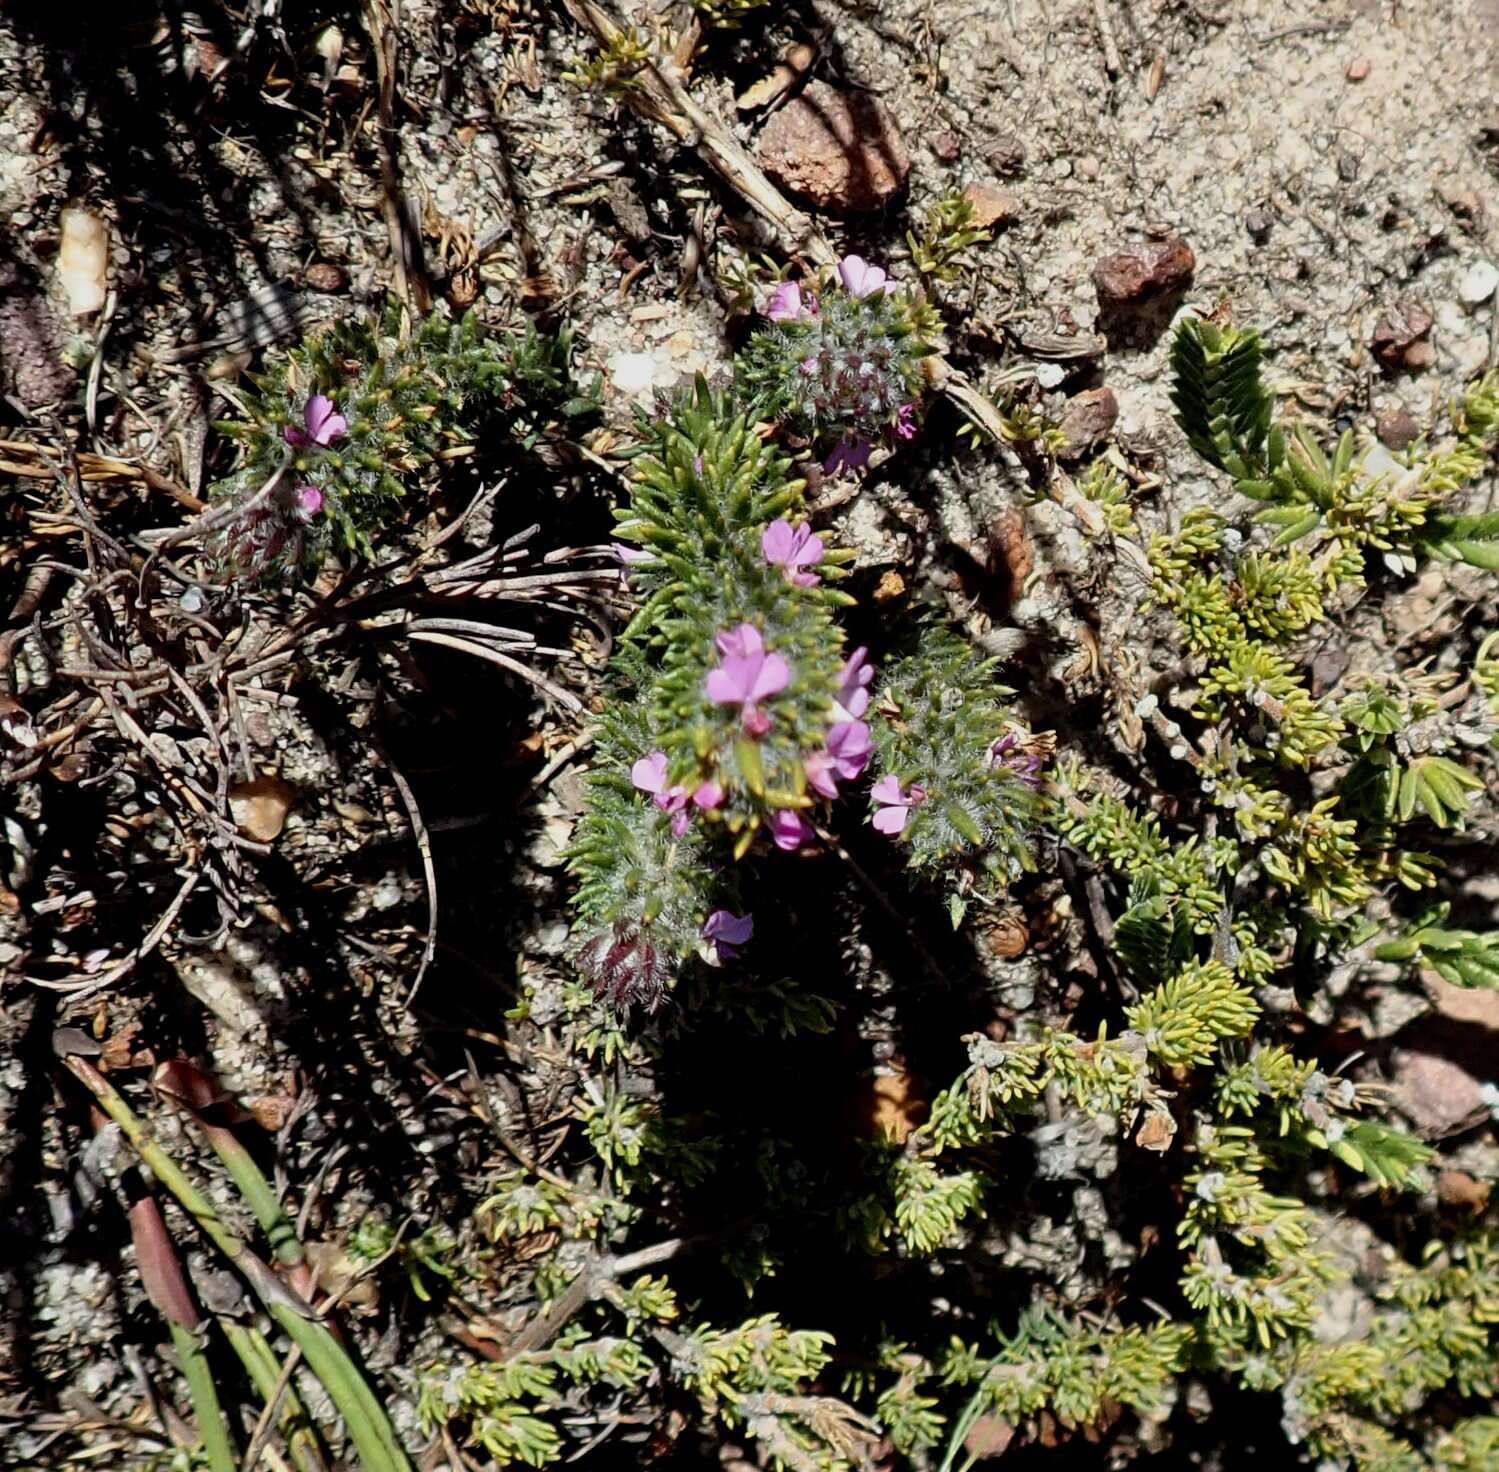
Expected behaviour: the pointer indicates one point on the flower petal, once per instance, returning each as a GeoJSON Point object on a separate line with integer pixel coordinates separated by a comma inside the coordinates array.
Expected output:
{"type": "Point", "coordinates": [649, 773]}
{"type": "Point", "coordinates": [887, 789]}
{"type": "Point", "coordinates": [772, 677]}
{"type": "Point", "coordinates": [891, 820]}
{"type": "Point", "coordinates": [789, 830]}
{"type": "Point", "coordinates": [778, 541]}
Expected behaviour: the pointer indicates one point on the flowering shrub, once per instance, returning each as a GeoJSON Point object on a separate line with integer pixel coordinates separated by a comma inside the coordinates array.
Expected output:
{"type": "Point", "coordinates": [344, 423]}
{"type": "Point", "coordinates": [843, 361]}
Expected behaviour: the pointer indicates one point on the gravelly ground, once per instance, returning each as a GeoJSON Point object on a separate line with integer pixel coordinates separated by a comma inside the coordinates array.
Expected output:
{"type": "Point", "coordinates": [1324, 160]}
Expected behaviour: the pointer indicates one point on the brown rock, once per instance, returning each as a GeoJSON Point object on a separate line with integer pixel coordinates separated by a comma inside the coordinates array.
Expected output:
{"type": "Point", "coordinates": [1458, 1188]}
{"type": "Point", "coordinates": [1089, 418]}
{"type": "Point", "coordinates": [1139, 272]}
{"type": "Point", "coordinates": [1401, 328]}
{"type": "Point", "coordinates": [1006, 155]}
{"type": "Point", "coordinates": [1441, 1097]}
{"type": "Point", "coordinates": [1396, 428]}
{"type": "Point", "coordinates": [259, 808]}
{"type": "Point", "coordinates": [992, 206]}
{"type": "Point", "coordinates": [1358, 69]}
{"type": "Point", "coordinates": [325, 276]}
{"type": "Point", "coordinates": [947, 146]}
{"type": "Point", "coordinates": [1472, 1004]}
{"type": "Point", "coordinates": [840, 151]}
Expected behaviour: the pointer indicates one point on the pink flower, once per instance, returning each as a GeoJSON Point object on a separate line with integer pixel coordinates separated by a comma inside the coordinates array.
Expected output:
{"type": "Point", "coordinates": [789, 829]}
{"type": "Point", "coordinates": [708, 795]}
{"type": "Point", "coordinates": [323, 424]}
{"type": "Point", "coordinates": [788, 305]}
{"type": "Point", "coordinates": [1026, 766]}
{"type": "Point", "coordinates": [841, 760]}
{"type": "Point", "coordinates": [747, 675]}
{"type": "Point", "coordinates": [852, 697]}
{"type": "Point", "coordinates": [628, 557]}
{"type": "Point", "coordinates": [792, 548]}
{"type": "Point", "coordinates": [649, 775]}
{"type": "Point", "coordinates": [905, 421]}
{"type": "Point", "coordinates": [309, 502]}
{"type": "Point", "coordinates": [861, 279]}
{"type": "Point", "coordinates": [725, 932]}
{"type": "Point", "coordinates": [808, 366]}
{"type": "Point", "coordinates": [848, 454]}
{"type": "Point", "coordinates": [895, 805]}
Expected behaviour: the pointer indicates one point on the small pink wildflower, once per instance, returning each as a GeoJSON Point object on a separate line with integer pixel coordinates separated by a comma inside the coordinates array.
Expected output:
{"type": "Point", "coordinates": [708, 795]}
{"type": "Point", "coordinates": [789, 829]}
{"type": "Point", "coordinates": [649, 775]}
{"type": "Point", "coordinates": [851, 699]}
{"type": "Point", "coordinates": [848, 455]}
{"type": "Point", "coordinates": [1007, 753]}
{"type": "Point", "coordinates": [895, 805]}
{"type": "Point", "coordinates": [724, 933]}
{"type": "Point", "coordinates": [862, 279]}
{"type": "Point", "coordinates": [788, 304]}
{"type": "Point", "coordinates": [747, 675]}
{"type": "Point", "coordinates": [628, 557]}
{"type": "Point", "coordinates": [905, 421]}
{"type": "Point", "coordinates": [309, 502]}
{"type": "Point", "coordinates": [842, 760]}
{"type": "Point", "coordinates": [322, 424]}
{"type": "Point", "coordinates": [792, 548]}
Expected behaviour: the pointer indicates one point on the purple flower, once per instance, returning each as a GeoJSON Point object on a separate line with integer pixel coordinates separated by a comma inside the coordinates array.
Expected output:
{"type": "Point", "coordinates": [792, 548]}
{"type": "Point", "coordinates": [848, 454]}
{"type": "Point", "coordinates": [323, 424]}
{"type": "Point", "coordinates": [905, 421]}
{"type": "Point", "coordinates": [852, 697]}
{"type": "Point", "coordinates": [309, 502]}
{"type": "Point", "coordinates": [1007, 753]}
{"type": "Point", "coordinates": [747, 675]}
{"type": "Point", "coordinates": [708, 795]}
{"type": "Point", "coordinates": [861, 279]}
{"type": "Point", "coordinates": [649, 775]}
{"type": "Point", "coordinates": [787, 304]}
{"type": "Point", "coordinates": [789, 829]}
{"type": "Point", "coordinates": [841, 760]}
{"type": "Point", "coordinates": [725, 932]}
{"type": "Point", "coordinates": [808, 366]}
{"type": "Point", "coordinates": [895, 805]}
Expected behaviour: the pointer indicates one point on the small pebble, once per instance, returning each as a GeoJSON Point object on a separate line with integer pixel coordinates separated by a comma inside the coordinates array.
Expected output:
{"type": "Point", "coordinates": [1358, 69]}
{"type": "Point", "coordinates": [1477, 283]}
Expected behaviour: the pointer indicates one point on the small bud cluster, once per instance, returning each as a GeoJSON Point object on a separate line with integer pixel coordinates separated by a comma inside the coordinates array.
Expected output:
{"type": "Point", "coordinates": [843, 360]}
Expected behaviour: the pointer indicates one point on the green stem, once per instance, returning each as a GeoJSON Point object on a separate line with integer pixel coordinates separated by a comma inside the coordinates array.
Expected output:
{"type": "Point", "coordinates": [213, 1430]}
{"type": "Point", "coordinates": [369, 1427]}
{"type": "Point", "coordinates": [264, 1370]}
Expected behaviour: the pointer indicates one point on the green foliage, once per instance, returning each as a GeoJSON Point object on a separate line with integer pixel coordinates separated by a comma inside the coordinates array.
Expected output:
{"type": "Point", "coordinates": [1219, 397]}
{"type": "Point", "coordinates": [848, 368]}
{"type": "Point", "coordinates": [945, 245]}
{"type": "Point", "coordinates": [727, 14]}
{"type": "Point", "coordinates": [1354, 501]}
{"type": "Point", "coordinates": [410, 394]}
{"type": "Point", "coordinates": [1462, 957]}
{"type": "Point", "coordinates": [1183, 1020]}
{"type": "Point", "coordinates": [614, 68]}
{"type": "Point", "coordinates": [1068, 1368]}
{"type": "Point", "coordinates": [948, 732]}
{"type": "Point", "coordinates": [704, 489]}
